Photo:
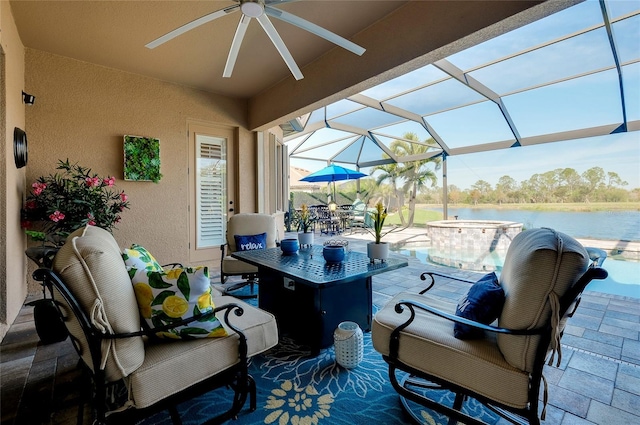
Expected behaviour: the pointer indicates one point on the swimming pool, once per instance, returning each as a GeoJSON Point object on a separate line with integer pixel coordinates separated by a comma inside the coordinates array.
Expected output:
{"type": "Point", "coordinates": [623, 279]}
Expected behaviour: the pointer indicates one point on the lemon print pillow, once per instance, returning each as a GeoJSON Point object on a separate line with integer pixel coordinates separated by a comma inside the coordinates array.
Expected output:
{"type": "Point", "coordinates": [166, 297]}
{"type": "Point", "coordinates": [137, 257]}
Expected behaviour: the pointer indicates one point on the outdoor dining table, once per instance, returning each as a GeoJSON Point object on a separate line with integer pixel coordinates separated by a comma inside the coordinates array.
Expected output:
{"type": "Point", "coordinates": [310, 297]}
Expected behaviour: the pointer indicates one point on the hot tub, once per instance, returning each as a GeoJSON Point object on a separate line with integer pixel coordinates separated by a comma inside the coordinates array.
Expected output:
{"type": "Point", "coordinates": [479, 245]}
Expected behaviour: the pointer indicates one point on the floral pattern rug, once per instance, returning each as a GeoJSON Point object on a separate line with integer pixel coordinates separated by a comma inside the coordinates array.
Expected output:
{"type": "Point", "coordinates": [294, 388]}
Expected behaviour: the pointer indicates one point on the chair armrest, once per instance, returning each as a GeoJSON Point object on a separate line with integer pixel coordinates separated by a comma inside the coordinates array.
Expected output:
{"type": "Point", "coordinates": [431, 275]}
{"type": "Point", "coordinates": [412, 305]}
{"type": "Point", "coordinates": [227, 308]}
{"type": "Point", "coordinates": [394, 342]}
{"type": "Point", "coordinates": [597, 256]}
{"type": "Point", "coordinates": [50, 279]}
{"type": "Point", "coordinates": [224, 254]}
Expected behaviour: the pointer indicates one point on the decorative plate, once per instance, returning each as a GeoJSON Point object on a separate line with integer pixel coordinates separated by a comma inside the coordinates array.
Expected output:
{"type": "Point", "coordinates": [19, 147]}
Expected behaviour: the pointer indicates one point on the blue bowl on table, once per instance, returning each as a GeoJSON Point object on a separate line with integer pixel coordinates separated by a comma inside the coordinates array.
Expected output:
{"type": "Point", "coordinates": [289, 246]}
{"type": "Point", "coordinates": [333, 253]}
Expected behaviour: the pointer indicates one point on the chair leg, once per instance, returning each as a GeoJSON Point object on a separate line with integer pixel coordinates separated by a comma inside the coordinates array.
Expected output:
{"type": "Point", "coordinates": [234, 287]}
{"type": "Point", "coordinates": [175, 416]}
{"type": "Point", "coordinates": [85, 388]}
{"type": "Point", "coordinates": [407, 394]}
{"type": "Point", "coordinates": [99, 401]}
{"type": "Point", "coordinates": [252, 394]}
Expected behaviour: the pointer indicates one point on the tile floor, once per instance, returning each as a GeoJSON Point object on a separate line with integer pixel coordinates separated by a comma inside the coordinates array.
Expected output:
{"type": "Point", "coordinates": [598, 381]}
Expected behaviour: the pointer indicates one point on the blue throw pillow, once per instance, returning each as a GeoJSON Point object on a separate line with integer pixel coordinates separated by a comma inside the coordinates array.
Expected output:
{"type": "Point", "coordinates": [483, 303]}
{"type": "Point", "coordinates": [251, 242]}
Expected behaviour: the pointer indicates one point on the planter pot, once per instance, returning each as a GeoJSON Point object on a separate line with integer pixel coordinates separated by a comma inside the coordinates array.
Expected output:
{"type": "Point", "coordinates": [49, 324]}
{"type": "Point", "coordinates": [333, 253]}
{"type": "Point", "coordinates": [289, 246]}
{"type": "Point", "coordinates": [378, 251]}
{"type": "Point", "coordinates": [42, 255]}
{"type": "Point", "coordinates": [305, 239]}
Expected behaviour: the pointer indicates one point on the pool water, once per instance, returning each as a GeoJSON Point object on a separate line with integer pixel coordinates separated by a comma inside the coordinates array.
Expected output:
{"type": "Point", "coordinates": [623, 279]}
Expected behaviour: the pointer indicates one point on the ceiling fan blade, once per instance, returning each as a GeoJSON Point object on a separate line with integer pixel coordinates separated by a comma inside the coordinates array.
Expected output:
{"type": "Point", "coordinates": [280, 46]}
{"type": "Point", "coordinates": [276, 2]}
{"type": "Point", "coordinates": [191, 25]}
{"type": "Point", "coordinates": [314, 29]}
{"type": "Point", "coordinates": [235, 45]}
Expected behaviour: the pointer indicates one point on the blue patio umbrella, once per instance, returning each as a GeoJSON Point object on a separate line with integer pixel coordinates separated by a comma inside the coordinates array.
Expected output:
{"type": "Point", "coordinates": [333, 173]}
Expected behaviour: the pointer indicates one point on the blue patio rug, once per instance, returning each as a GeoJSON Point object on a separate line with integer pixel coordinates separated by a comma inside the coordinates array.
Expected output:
{"type": "Point", "coordinates": [294, 388]}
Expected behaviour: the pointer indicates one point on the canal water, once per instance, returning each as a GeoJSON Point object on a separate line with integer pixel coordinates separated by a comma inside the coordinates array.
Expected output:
{"type": "Point", "coordinates": [609, 225]}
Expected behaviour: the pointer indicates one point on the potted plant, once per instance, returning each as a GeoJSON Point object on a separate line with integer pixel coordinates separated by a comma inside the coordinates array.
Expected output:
{"type": "Point", "coordinates": [305, 222]}
{"type": "Point", "coordinates": [65, 201]}
{"type": "Point", "coordinates": [57, 205]}
{"type": "Point", "coordinates": [378, 250]}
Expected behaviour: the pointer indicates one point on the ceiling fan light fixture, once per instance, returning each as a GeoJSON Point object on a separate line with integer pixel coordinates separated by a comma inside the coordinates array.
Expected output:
{"type": "Point", "coordinates": [252, 8]}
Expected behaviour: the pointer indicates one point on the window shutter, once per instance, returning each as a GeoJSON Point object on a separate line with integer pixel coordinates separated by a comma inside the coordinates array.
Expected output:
{"type": "Point", "coordinates": [210, 196]}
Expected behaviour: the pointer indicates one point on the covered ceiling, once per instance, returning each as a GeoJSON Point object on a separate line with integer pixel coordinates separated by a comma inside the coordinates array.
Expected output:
{"type": "Point", "coordinates": [114, 34]}
{"type": "Point", "coordinates": [398, 35]}
{"type": "Point", "coordinates": [571, 75]}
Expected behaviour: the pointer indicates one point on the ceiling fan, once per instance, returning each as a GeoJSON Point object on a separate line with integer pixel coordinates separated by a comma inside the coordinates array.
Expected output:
{"type": "Point", "coordinates": [261, 10]}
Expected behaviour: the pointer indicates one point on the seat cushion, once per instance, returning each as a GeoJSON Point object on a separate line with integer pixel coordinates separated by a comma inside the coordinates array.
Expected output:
{"type": "Point", "coordinates": [539, 262]}
{"type": "Point", "coordinates": [428, 345]}
{"type": "Point", "coordinates": [172, 366]}
{"type": "Point", "coordinates": [231, 265]}
{"type": "Point", "coordinates": [91, 266]}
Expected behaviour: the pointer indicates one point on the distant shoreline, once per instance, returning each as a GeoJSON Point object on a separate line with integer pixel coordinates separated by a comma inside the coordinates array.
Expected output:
{"type": "Point", "coordinates": [569, 206]}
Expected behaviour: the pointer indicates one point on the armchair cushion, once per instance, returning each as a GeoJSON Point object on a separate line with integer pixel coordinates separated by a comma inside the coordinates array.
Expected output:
{"type": "Point", "coordinates": [170, 367]}
{"type": "Point", "coordinates": [483, 303]}
{"type": "Point", "coordinates": [251, 224]}
{"type": "Point", "coordinates": [139, 258]}
{"type": "Point", "coordinates": [541, 265]}
{"type": "Point", "coordinates": [91, 264]}
{"type": "Point", "coordinates": [428, 344]}
{"type": "Point", "coordinates": [177, 294]}
{"type": "Point", "coordinates": [232, 266]}
{"type": "Point", "coordinates": [246, 224]}
{"type": "Point", "coordinates": [251, 242]}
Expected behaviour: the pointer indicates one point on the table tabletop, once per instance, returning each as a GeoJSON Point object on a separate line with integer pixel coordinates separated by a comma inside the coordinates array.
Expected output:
{"type": "Point", "coordinates": [309, 266]}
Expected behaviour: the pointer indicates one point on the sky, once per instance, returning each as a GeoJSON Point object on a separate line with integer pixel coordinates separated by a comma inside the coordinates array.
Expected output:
{"type": "Point", "coordinates": [619, 153]}
{"type": "Point", "coordinates": [591, 100]}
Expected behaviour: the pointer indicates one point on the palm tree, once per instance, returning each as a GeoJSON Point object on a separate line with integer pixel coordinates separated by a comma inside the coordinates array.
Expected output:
{"type": "Point", "coordinates": [391, 173]}
{"type": "Point", "coordinates": [415, 173]}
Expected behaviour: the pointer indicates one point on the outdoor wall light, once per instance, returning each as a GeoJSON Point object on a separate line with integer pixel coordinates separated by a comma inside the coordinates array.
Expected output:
{"type": "Point", "coordinates": [333, 206]}
{"type": "Point", "coordinates": [28, 99]}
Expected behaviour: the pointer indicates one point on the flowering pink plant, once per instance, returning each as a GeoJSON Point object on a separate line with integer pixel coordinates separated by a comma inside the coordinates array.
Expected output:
{"type": "Point", "coordinates": [63, 202]}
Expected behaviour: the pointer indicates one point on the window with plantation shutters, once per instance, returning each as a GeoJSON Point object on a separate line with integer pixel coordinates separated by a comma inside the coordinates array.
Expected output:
{"type": "Point", "coordinates": [211, 176]}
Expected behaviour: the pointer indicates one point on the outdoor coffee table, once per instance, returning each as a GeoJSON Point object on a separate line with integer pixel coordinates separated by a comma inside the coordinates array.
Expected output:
{"type": "Point", "coordinates": [310, 297]}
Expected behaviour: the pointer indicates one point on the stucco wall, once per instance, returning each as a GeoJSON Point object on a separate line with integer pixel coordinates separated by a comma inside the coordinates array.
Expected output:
{"type": "Point", "coordinates": [12, 241]}
{"type": "Point", "coordinates": [82, 112]}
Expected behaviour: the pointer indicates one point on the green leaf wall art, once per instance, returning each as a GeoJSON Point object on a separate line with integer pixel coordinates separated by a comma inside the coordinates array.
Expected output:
{"type": "Point", "coordinates": [142, 159]}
